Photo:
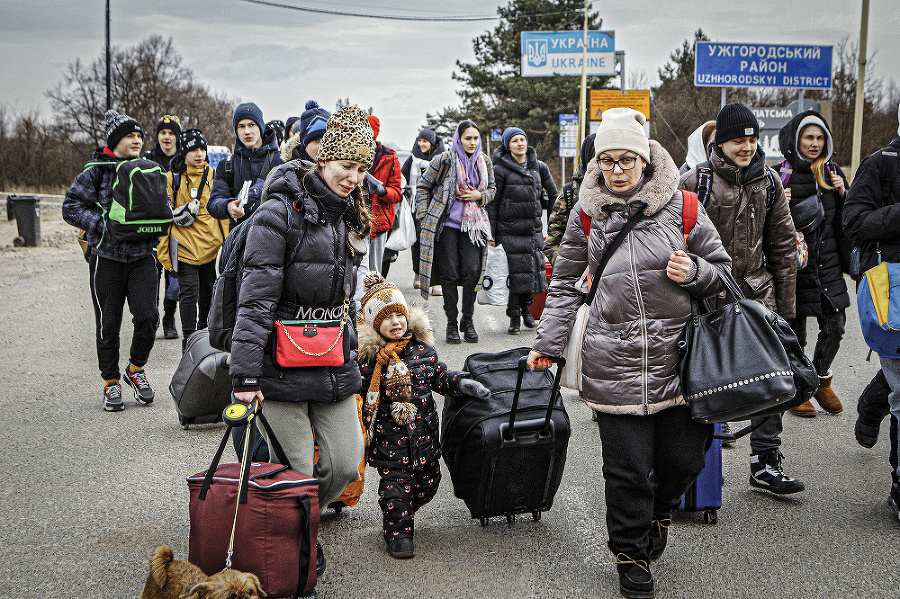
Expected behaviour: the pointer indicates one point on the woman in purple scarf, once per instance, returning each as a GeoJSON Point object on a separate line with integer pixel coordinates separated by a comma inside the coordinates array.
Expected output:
{"type": "Point", "coordinates": [450, 199]}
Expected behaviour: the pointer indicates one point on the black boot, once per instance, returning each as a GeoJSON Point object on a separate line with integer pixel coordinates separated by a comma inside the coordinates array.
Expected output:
{"type": "Point", "coordinates": [527, 318]}
{"type": "Point", "coordinates": [635, 578]}
{"type": "Point", "coordinates": [168, 321]}
{"type": "Point", "coordinates": [873, 406]}
{"type": "Point", "coordinates": [468, 329]}
{"type": "Point", "coordinates": [452, 332]}
{"type": "Point", "coordinates": [514, 326]}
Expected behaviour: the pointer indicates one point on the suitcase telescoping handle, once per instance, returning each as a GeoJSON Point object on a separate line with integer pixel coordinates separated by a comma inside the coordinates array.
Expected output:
{"type": "Point", "coordinates": [522, 367]}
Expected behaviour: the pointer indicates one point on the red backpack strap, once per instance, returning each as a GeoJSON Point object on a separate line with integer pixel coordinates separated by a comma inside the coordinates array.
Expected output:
{"type": "Point", "coordinates": [585, 223]}
{"type": "Point", "coordinates": [689, 212]}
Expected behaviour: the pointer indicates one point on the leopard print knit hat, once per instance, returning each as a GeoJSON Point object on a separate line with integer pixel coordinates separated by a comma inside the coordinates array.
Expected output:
{"type": "Point", "coordinates": [348, 136]}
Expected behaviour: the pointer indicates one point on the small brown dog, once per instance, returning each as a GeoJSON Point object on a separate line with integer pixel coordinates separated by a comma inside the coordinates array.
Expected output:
{"type": "Point", "coordinates": [171, 578]}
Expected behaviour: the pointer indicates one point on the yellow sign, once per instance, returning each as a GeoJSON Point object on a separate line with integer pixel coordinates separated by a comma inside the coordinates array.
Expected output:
{"type": "Point", "coordinates": [603, 99]}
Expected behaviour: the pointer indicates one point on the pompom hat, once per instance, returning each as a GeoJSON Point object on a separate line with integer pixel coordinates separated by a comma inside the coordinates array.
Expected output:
{"type": "Point", "coordinates": [380, 299]}
{"type": "Point", "coordinates": [118, 126]}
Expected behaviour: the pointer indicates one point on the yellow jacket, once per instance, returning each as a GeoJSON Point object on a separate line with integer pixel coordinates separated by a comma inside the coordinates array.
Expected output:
{"type": "Point", "coordinates": [200, 242]}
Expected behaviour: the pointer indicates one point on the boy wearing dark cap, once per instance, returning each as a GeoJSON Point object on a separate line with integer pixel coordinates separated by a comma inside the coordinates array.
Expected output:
{"type": "Point", "coordinates": [238, 182]}
{"type": "Point", "coordinates": [746, 203]}
{"type": "Point", "coordinates": [198, 234]}
{"type": "Point", "coordinates": [119, 270]}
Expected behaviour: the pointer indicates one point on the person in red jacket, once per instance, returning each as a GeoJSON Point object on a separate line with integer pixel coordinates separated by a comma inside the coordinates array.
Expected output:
{"type": "Point", "coordinates": [385, 189]}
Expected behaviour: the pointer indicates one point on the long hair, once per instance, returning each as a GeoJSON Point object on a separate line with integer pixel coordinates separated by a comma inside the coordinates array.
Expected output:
{"type": "Point", "coordinates": [818, 171]}
{"type": "Point", "coordinates": [360, 217]}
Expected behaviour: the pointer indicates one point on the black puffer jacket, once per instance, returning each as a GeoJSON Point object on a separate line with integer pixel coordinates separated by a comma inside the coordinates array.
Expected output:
{"type": "Point", "coordinates": [872, 207]}
{"type": "Point", "coordinates": [515, 217]}
{"type": "Point", "coordinates": [829, 251]}
{"type": "Point", "coordinates": [393, 443]}
{"type": "Point", "coordinates": [315, 277]}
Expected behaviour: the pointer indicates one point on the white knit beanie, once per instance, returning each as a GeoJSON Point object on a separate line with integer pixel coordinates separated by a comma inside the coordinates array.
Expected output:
{"type": "Point", "coordinates": [622, 129]}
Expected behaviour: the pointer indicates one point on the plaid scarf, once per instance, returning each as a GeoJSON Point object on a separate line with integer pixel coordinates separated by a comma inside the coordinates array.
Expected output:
{"type": "Point", "coordinates": [475, 220]}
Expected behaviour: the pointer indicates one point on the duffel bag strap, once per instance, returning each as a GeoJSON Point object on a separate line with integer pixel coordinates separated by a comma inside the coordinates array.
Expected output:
{"type": "Point", "coordinates": [242, 491]}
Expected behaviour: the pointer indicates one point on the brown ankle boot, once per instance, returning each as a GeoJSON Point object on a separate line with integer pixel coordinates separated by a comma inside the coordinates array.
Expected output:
{"type": "Point", "coordinates": [804, 410]}
{"type": "Point", "coordinates": [826, 397]}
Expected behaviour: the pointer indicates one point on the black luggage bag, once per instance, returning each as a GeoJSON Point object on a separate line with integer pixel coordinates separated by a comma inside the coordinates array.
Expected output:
{"type": "Point", "coordinates": [506, 454]}
{"type": "Point", "coordinates": [201, 385]}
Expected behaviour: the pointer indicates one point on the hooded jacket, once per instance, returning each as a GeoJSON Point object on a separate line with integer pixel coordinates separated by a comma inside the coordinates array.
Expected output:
{"type": "Point", "coordinates": [761, 242]}
{"type": "Point", "coordinates": [160, 157]}
{"type": "Point", "coordinates": [515, 216]}
{"type": "Point", "coordinates": [416, 164]}
{"type": "Point", "coordinates": [89, 198]}
{"type": "Point", "coordinates": [828, 246]}
{"type": "Point", "coordinates": [872, 208]}
{"type": "Point", "coordinates": [199, 243]}
{"type": "Point", "coordinates": [247, 164]}
{"type": "Point", "coordinates": [432, 203]}
{"type": "Point", "coordinates": [322, 265]}
{"type": "Point", "coordinates": [696, 149]}
{"type": "Point", "coordinates": [385, 168]}
{"type": "Point", "coordinates": [394, 442]}
{"type": "Point", "coordinates": [638, 314]}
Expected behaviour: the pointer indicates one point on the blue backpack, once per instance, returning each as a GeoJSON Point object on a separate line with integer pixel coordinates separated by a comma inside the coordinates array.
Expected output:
{"type": "Point", "coordinates": [878, 304]}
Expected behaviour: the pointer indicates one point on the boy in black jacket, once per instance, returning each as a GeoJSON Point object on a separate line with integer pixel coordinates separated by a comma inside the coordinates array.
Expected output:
{"type": "Point", "coordinates": [400, 368]}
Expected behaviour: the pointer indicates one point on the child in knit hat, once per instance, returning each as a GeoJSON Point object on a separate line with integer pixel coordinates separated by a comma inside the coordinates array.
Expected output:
{"type": "Point", "coordinates": [400, 369]}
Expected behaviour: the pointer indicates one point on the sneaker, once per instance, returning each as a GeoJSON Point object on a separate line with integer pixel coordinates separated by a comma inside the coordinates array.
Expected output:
{"type": "Point", "coordinates": [895, 505]}
{"type": "Point", "coordinates": [137, 380]}
{"type": "Point", "coordinates": [401, 547]}
{"type": "Point", "coordinates": [766, 473]}
{"type": "Point", "coordinates": [635, 578]}
{"type": "Point", "coordinates": [112, 397]}
{"type": "Point", "coordinates": [436, 290]}
{"type": "Point", "coordinates": [726, 435]}
{"type": "Point", "coordinates": [659, 536]}
{"type": "Point", "coordinates": [416, 284]}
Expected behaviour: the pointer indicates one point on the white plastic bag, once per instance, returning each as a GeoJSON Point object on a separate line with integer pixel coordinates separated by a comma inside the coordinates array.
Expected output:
{"type": "Point", "coordinates": [494, 284]}
{"type": "Point", "coordinates": [402, 237]}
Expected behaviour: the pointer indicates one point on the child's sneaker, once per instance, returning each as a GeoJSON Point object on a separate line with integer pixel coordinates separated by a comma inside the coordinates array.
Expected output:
{"type": "Point", "coordinates": [766, 473]}
{"type": "Point", "coordinates": [137, 380]}
{"type": "Point", "coordinates": [112, 397]}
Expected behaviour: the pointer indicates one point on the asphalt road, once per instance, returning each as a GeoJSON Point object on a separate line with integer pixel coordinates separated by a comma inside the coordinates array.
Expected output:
{"type": "Point", "coordinates": [87, 496]}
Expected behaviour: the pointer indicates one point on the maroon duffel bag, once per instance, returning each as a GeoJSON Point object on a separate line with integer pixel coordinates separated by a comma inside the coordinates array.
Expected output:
{"type": "Point", "coordinates": [275, 528]}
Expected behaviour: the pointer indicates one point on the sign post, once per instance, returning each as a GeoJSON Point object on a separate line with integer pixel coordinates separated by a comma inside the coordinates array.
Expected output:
{"type": "Point", "coordinates": [762, 65]}
{"type": "Point", "coordinates": [568, 139]}
{"type": "Point", "coordinates": [546, 53]}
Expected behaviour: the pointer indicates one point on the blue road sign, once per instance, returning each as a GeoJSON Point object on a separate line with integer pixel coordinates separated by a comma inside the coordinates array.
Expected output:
{"type": "Point", "coordinates": [496, 134]}
{"type": "Point", "coordinates": [764, 65]}
{"type": "Point", "coordinates": [568, 135]}
{"type": "Point", "coordinates": [547, 53]}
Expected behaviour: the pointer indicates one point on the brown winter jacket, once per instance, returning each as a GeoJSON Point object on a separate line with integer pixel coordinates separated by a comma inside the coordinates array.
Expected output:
{"type": "Point", "coordinates": [762, 245]}
{"type": "Point", "coordinates": [638, 313]}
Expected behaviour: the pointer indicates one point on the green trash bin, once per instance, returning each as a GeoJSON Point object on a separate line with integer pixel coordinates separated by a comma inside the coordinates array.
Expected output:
{"type": "Point", "coordinates": [27, 211]}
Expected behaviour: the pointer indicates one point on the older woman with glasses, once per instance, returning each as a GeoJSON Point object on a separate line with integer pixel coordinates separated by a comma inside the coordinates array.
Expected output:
{"type": "Point", "coordinates": [630, 356]}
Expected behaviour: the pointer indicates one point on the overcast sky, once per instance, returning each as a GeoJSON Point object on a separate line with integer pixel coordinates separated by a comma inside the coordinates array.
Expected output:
{"type": "Point", "coordinates": [280, 58]}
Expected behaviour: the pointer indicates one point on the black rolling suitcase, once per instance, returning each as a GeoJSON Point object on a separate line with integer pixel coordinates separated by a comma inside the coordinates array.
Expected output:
{"type": "Point", "coordinates": [201, 385]}
{"type": "Point", "coordinates": [506, 454]}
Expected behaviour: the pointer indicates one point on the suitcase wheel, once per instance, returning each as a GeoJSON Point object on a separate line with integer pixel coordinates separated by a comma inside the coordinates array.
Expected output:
{"type": "Point", "coordinates": [510, 518]}
{"type": "Point", "coordinates": [484, 520]}
{"type": "Point", "coordinates": [710, 516]}
{"type": "Point", "coordinates": [536, 515]}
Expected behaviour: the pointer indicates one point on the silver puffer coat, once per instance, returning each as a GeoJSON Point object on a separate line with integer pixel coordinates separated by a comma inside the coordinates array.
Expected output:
{"type": "Point", "coordinates": [638, 314]}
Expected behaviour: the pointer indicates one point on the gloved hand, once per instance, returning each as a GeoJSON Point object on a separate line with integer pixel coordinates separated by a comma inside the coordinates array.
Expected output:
{"type": "Point", "coordinates": [376, 187]}
{"type": "Point", "coordinates": [473, 388]}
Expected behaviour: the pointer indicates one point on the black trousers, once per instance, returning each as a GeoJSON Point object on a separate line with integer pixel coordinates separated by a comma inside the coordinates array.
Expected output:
{"type": "Point", "coordinates": [831, 330]}
{"type": "Point", "coordinates": [518, 303]}
{"type": "Point", "coordinates": [402, 491]}
{"type": "Point", "coordinates": [112, 284]}
{"type": "Point", "coordinates": [668, 443]}
{"type": "Point", "coordinates": [195, 287]}
{"type": "Point", "coordinates": [457, 261]}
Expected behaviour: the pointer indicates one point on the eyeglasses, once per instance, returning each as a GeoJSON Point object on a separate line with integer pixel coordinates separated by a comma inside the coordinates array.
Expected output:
{"type": "Point", "coordinates": [626, 163]}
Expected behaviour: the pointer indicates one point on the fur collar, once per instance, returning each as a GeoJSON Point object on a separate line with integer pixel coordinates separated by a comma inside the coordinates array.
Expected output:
{"type": "Point", "coordinates": [371, 342]}
{"type": "Point", "coordinates": [288, 147]}
{"type": "Point", "coordinates": [656, 192]}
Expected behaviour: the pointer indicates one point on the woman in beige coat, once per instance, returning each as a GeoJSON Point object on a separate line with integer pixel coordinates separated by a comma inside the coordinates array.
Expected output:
{"type": "Point", "coordinates": [630, 354]}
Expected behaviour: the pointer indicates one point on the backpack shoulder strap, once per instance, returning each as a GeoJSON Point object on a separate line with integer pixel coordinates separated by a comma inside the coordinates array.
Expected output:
{"type": "Point", "coordinates": [704, 181]}
{"type": "Point", "coordinates": [229, 171]}
{"type": "Point", "coordinates": [585, 223]}
{"type": "Point", "coordinates": [888, 172]}
{"type": "Point", "coordinates": [770, 189]}
{"type": "Point", "coordinates": [784, 172]}
{"type": "Point", "coordinates": [689, 212]}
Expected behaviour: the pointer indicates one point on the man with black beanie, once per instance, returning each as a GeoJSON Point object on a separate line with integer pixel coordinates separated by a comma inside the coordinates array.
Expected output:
{"type": "Point", "coordinates": [121, 270]}
{"type": "Point", "coordinates": [746, 203]}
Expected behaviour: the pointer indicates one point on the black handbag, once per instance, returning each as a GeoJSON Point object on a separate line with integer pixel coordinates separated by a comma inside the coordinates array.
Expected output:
{"type": "Point", "coordinates": [807, 213]}
{"type": "Point", "coordinates": [741, 361]}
